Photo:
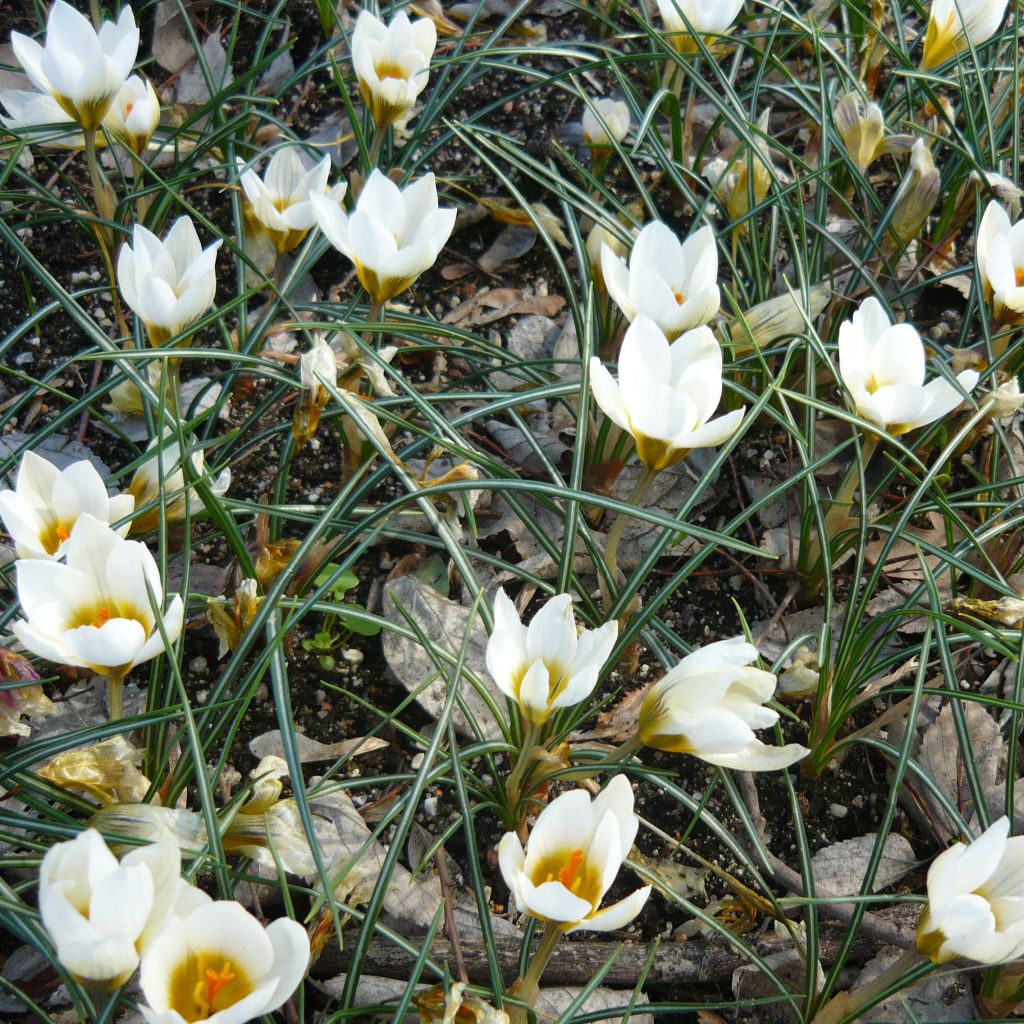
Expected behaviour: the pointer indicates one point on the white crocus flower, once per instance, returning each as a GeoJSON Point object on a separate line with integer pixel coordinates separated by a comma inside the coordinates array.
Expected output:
{"type": "Point", "coordinates": [546, 666]}
{"type": "Point", "coordinates": [709, 706]}
{"type": "Point", "coordinates": [218, 964]}
{"type": "Point", "coordinates": [38, 111]}
{"type": "Point", "coordinates": [999, 253]}
{"type": "Point", "coordinates": [392, 63]}
{"type": "Point", "coordinates": [573, 854]}
{"type": "Point", "coordinates": [134, 114]}
{"type": "Point", "coordinates": [169, 284]}
{"type": "Point", "coordinates": [666, 394]}
{"type": "Point", "coordinates": [82, 70]}
{"type": "Point", "coordinates": [604, 121]}
{"type": "Point", "coordinates": [393, 234]}
{"type": "Point", "coordinates": [956, 25]}
{"type": "Point", "coordinates": [673, 283]}
{"type": "Point", "coordinates": [278, 203]}
{"type": "Point", "coordinates": [44, 506]}
{"type": "Point", "coordinates": [975, 908]}
{"type": "Point", "coordinates": [101, 914]}
{"type": "Point", "coordinates": [883, 366]}
{"type": "Point", "coordinates": [705, 17]}
{"type": "Point", "coordinates": [95, 611]}
{"type": "Point", "coordinates": [176, 496]}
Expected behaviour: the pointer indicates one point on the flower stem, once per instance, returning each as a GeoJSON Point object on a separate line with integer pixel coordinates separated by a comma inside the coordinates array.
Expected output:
{"type": "Point", "coordinates": [513, 788]}
{"type": "Point", "coordinates": [613, 757]}
{"type": "Point", "coordinates": [611, 550]}
{"type": "Point", "coordinates": [848, 1006]}
{"type": "Point", "coordinates": [379, 135]}
{"type": "Point", "coordinates": [528, 986]}
{"type": "Point", "coordinates": [103, 194]}
{"type": "Point", "coordinates": [115, 696]}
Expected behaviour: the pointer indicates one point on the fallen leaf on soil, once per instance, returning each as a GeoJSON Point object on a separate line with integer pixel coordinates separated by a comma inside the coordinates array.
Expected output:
{"type": "Point", "coordinates": [619, 722]}
{"type": "Point", "coordinates": [445, 624]}
{"type": "Point", "coordinates": [192, 90]}
{"type": "Point", "coordinates": [490, 304]}
{"type": "Point", "coordinates": [902, 560]}
{"type": "Point", "coordinates": [512, 243]}
{"type": "Point", "coordinates": [839, 869]}
{"type": "Point", "coordinates": [268, 744]}
{"type": "Point", "coordinates": [553, 1002]}
{"type": "Point", "coordinates": [171, 46]}
{"type": "Point", "coordinates": [938, 998]}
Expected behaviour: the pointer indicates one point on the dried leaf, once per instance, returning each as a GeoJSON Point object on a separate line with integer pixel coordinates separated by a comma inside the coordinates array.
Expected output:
{"type": "Point", "coordinates": [268, 744]}
{"type": "Point", "coordinates": [839, 869]}
{"type": "Point", "coordinates": [511, 244]}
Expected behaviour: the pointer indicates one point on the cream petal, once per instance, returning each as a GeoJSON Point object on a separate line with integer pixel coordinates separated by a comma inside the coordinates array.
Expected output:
{"type": "Point", "coordinates": [758, 757]}
{"type": "Point", "coordinates": [534, 691]}
{"type": "Point", "coordinates": [551, 900]}
{"type": "Point", "coordinates": [291, 960]}
{"type": "Point", "coordinates": [615, 916]}
{"type": "Point", "coordinates": [551, 635]}
{"type": "Point", "coordinates": [608, 395]}
{"type": "Point", "coordinates": [511, 859]}
{"type": "Point", "coordinates": [114, 644]}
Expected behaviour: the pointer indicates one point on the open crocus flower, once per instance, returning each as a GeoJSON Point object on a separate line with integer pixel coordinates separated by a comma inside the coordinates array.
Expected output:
{"type": "Point", "coordinates": [1000, 256]}
{"type": "Point", "coordinates": [957, 25]}
{"type": "Point", "coordinates": [705, 17]}
{"type": "Point", "coordinates": [709, 706]}
{"type": "Point", "coordinates": [393, 234]}
{"type": "Point", "coordinates": [95, 610]}
{"type": "Point", "coordinates": [218, 964]}
{"type": "Point", "coordinates": [134, 114]}
{"type": "Point", "coordinates": [44, 506]}
{"type": "Point", "coordinates": [975, 907]}
{"type": "Point", "coordinates": [546, 666]}
{"type": "Point", "coordinates": [169, 284]}
{"type": "Point", "coordinates": [666, 394]}
{"type": "Point", "coordinates": [82, 70]}
{"type": "Point", "coordinates": [392, 63]}
{"type": "Point", "coordinates": [278, 203]}
{"type": "Point", "coordinates": [605, 120]}
{"type": "Point", "coordinates": [883, 366]}
{"type": "Point", "coordinates": [574, 852]}
{"type": "Point", "coordinates": [671, 282]}
{"type": "Point", "coordinates": [101, 914]}
{"type": "Point", "coordinates": [177, 497]}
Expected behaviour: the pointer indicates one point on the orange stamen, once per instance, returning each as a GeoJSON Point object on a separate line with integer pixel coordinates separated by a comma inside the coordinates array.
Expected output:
{"type": "Point", "coordinates": [572, 866]}
{"type": "Point", "coordinates": [102, 617]}
{"type": "Point", "coordinates": [215, 981]}
{"type": "Point", "coordinates": [679, 297]}
{"type": "Point", "coordinates": [62, 533]}
{"type": "Point", "coordinates": [1018, 276]}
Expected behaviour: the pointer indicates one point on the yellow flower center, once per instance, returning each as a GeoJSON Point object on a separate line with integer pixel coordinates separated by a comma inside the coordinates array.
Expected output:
{"type": "Point", "coordinates": [53, 535]}
{"type": "Point", "coordinates": [571, 869]}
{"type": "Point", "coordinates": [385, 70]}
{"type": "Point", "coordinates": [204, 984]}
{"type": "Point", "coordinates": [569, 874]}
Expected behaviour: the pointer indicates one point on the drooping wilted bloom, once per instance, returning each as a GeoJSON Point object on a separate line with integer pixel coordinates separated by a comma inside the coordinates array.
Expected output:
{"type": "Point", "coordinates": [861, 126]}
{"type": "Point", "coordinates": [82, 70]}
{"type": "Point", "coordinates": [673, 283]}
{"type": "Point", "coordinates": [573, 854]}
{"type": "Point", "coordinates": [95, 611]}
{"type": "Point", "coordinates": [175, 496]}
{"type": "Point", "coordinates": [918, 193]}
{"type": "Point", "coordinates": [219, 964]}
{"type": "Point", "coordinates": [957, 25]}
{"type": "Point", "coordinates": [666, 394]}
{"type": "Point", "coordinates": [102, 914]}
{"type": "Point", "coordinates": [44, 506]}
{"type": "Point", "coordinates": [169, 284]}
{"type": "Point", "coordinates": [709, 706]}
{"type": "Point", "coordinates": [883, 366]}
{"type": "Point", "coordinates": [705, 17]}
{"type": "Point", "coordinates": [392, 63]}
{"type": "Point", "coordinates": [17, 702]}
{"type": "Point", "coordinates": [318, 368]}
{"type": "Point", "coordinates": [999, 253]}
{"type": "Point", "coordinates": [457, 1006]}
{"type": "Point", "coordinates": [605, 120]}
{"type": "Point", "coordinates": [975, 908]}
{"type": "Point", "coordinates": [393, 234]}
{"type": "Point", "coordinates": [546, 666]}
{"type": "Point", "coordinates": [278, 203]}
{"type": "Point", "coordinates": [134, 114]}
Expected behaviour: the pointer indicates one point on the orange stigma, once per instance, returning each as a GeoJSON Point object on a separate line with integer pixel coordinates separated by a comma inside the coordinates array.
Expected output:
{"type": "Point", "coordinates": [62, 533]}
{"type": "Point", "coordinates": [567, 876]}
{"type": "Point", "coordinates": [102, 617]}
{"type": "Point", "coordinates": [679, 297]}
{"type": "Point", "coordinates": [1018, 277]}
{"type": "Point", "coordinates": [216, 980]}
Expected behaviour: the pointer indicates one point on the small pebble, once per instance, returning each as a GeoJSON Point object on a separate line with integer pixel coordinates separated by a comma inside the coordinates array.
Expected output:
{"type": "Point", "coordinates": [417, 761]}
{"type": "Point", "coordinates": [202, 696]}
{"type": "Point", "coordinates": [430, 806]}
{"type": "Point", "coordinates": [353, 656]}
{"type": "Point", "coordinates": [197, 665]}
{"type": "Point", "coordinates": [838, 810]}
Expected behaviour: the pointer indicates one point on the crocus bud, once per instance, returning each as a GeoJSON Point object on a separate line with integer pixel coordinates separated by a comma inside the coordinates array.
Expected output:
{"type": "Point", "coordinates": [606, 120]}
{"type": "Point", "coordinates": [956, 25]}
{"type": "Point", "coordinates": [134, 114]}
{"type": "Point", "coordinates": [917, 194]}
{"type": "Point", "coordinates": [861, 126]}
